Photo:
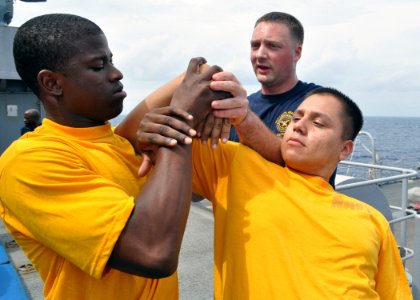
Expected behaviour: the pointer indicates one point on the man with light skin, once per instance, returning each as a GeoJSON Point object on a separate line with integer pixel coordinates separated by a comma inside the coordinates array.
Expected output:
{"type": "Point", "coordinates": [281, 231]}
{"type": "Point", "coordinates": [276, 48]}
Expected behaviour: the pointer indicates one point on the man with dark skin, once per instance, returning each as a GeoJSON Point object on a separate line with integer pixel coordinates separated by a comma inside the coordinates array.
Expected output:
{"type": "Point", "coordinates": [31, 119]}
{"type": "Point", "coordinates": [69, 192]}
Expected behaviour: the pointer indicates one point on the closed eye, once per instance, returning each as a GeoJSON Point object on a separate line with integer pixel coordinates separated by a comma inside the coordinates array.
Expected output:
{"type": "Point", "coordinates": [319, 124]}
{"type": "Point", "coordinates": [97, 69]}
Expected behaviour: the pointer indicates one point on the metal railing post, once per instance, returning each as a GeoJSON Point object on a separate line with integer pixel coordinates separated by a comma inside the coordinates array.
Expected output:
{"type": "Point", "coordinates": [416, 259]}
{"type": "Point", "coordinates": [404, 203]}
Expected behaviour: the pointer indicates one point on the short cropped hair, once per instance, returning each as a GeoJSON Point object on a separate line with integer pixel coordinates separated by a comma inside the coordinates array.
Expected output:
{"type": "Point", "coordinates": [49, 42]}
{"type": "Point", "coordinates": [352, 115]}
{"type": "Point", "coordinates": [294, 25]}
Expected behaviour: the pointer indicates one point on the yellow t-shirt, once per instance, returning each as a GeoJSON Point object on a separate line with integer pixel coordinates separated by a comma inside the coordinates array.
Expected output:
{"type": "Point", "coordinates": [66, 195]}
{"type": "Point", "coordinates": [283, 235]}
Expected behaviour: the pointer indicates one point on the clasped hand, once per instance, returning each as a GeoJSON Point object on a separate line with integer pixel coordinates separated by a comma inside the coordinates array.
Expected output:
{"type": "Point", "coordinates": [194, 108]}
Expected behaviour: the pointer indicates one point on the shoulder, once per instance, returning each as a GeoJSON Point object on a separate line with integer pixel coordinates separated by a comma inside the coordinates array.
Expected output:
{"type": "Point", "coordinates": [307, 86]}
{"type": "Point", "coordinates": [24, 130]}
{"type": "Point", "coordinates": [32, 151]}
{"type": "Point", "coordinates": [346, 202]}
{"type": "Point", "coordinates": [222, 150]}
{"type": "Point", "coordinates": [255, 95]}
{"type": "Point", "coordinates": [223, 154]}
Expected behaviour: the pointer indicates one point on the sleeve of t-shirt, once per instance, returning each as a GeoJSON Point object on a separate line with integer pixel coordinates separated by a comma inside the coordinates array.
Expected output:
{"type": "Point", "coordinates": [66, 207]}
{"type": "Point", "coordinates": [391, 279]}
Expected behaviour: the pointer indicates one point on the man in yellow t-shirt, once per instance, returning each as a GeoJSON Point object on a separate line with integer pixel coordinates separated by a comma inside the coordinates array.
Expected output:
{"type": "Point", "coordinates": [69, 191]}
{"type": "Point", "coordinates": [281, 231]}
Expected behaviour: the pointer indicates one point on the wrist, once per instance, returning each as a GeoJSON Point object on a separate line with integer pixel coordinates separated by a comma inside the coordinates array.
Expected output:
{"type": "Point", "coordinates": [244, 121]}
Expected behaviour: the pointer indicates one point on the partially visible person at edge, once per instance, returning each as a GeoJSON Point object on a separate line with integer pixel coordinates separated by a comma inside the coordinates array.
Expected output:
{"type": "Point", "coordinates": [281, 231]}
{"type": "Point", "coordinates": [69, 191]}
{"type": "Point", "coordinates": [31, 118]}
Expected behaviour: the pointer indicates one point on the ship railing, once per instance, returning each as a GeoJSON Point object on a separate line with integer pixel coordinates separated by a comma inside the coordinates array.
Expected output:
{"type": "Point", "coordinates": [369, 148]}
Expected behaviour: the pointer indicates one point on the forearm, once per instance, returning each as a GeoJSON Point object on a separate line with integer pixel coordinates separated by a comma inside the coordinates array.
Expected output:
{"type": "Point", "coordinates": [256, 135]}
{"type": "Point", "coordinates": [149, 245]}
{"type": "Point", "coordinates": [159, 98]}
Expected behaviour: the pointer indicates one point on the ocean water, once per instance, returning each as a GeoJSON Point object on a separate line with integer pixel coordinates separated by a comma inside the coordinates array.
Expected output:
{"type": "Point", "coordinates": [396, 141]}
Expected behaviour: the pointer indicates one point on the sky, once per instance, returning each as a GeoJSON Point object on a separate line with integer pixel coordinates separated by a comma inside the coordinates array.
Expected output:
{"type": "Point", "coordinates": [368, 49]}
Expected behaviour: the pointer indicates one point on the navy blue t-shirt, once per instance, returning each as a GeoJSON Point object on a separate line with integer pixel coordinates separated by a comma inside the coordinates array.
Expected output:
{"type": "Point", "coordinates": [276, 110]}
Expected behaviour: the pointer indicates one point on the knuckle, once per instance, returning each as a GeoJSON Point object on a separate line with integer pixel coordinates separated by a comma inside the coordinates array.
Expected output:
{"type": "Point", "coordinates": [218, 125]}
{"type": "Point", "coordinates": [167, 120]}
{"type": "Point", "coordinates": [179, 136]}
{"type": "Point", "coordinates": [162, 130]}
{"type": "Point", "coordinates": [151, 139]}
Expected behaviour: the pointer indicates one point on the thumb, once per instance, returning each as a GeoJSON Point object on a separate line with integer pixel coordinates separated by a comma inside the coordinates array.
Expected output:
{"type": "Point", "coordinates": [145, 166]}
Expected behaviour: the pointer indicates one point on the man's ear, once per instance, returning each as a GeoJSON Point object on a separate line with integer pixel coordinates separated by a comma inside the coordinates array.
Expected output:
{"type": "Point", "coordinates": [49, 83]}
{"type": "Point", "coordinates": [298, 52]}
{"type": "Point", "coordinates": [346, 150]}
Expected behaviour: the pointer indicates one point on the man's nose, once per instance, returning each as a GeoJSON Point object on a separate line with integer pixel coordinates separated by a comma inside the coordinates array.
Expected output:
{"type": "Point", "coordinates": [300, 126]}
{"type": "Point", "coordinates": [261, 52]}
{"type": "Point", "coordinates": [116, 74]}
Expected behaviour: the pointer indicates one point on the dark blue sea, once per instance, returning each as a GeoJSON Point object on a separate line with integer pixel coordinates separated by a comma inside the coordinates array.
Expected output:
{"type": "Point", "coordinates": [396, 141]}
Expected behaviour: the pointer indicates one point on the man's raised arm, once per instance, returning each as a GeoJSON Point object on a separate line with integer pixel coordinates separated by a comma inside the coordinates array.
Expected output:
{"type": "Point", "coordinates": [251, 130]}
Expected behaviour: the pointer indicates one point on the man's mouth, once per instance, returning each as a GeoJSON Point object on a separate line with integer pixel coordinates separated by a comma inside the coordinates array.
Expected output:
{"type": "Point", "coordinates": [119, 88]}
{"type": "Point", "coordinates": [119, 92]}
{"type": "Point", "coordinates": [263, 69]}
{"type": "Point", "coordinates": [295, 141]}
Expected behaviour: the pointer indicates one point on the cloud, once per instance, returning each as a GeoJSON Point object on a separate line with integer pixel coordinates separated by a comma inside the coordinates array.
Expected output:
{"type": "Point", "coordinates": [367, 48]}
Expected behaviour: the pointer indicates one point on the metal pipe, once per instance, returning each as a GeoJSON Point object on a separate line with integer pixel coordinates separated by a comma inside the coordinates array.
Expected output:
{"type": "Point", "coordinates": [416, 263]}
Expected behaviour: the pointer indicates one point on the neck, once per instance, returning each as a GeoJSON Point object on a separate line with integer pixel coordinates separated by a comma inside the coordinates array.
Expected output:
{"type": "Point", "coordinates": [279, 88]}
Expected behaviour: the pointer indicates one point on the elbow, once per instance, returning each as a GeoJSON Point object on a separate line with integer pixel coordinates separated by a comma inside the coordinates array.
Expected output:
{"type": "Point", "coordinates": [160, 265]}
{"type": "Point", "coordinates": [150, 264]}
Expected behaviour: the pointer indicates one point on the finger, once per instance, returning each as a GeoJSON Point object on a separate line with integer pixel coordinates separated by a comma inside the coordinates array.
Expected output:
{"type": "Point", "coordinates": [161, 124]}
{"type": "Point", "coordinates": [227, 86]}
{"type": "Point", "coordinates": [172, 134]}
{"type": "Point", "coordinates": [231, 114]}
{"type": "Point", "coordinates": [234, 109]}
{"type": "Point", "coordinates": [207, 129]}
{"type": "Point", "coordinates": [169, 135]}
{"type": "Point", "coordinates": [210, 71]}
{"type": "Point", "coordinates": [194, 65]}
{"type": "Point", "coordinates": [221, 95]}
{"type": "Point", "coordinates": [168, 111]}
{"type": "Point", "coordinates": [145, 166]}
{"type": "Point", "coordinates": [199, 128]}
{"type": "Point", "coordinates": [145, 140]}
{"type": "Point", "coordinates": [232, 86]}
{"type": "Point", "coordinates": [225, 130]}
{"type": "Point", "coordinates": [216, 132]}
{"type": "Point", "coordinates": [230, 103]}
{"type": "Point", "coordinates": [180, 113]}
{"type": "Point", "coordinates": [172, 124]}
{"type": "Point", "coordinates": [225, 76]}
